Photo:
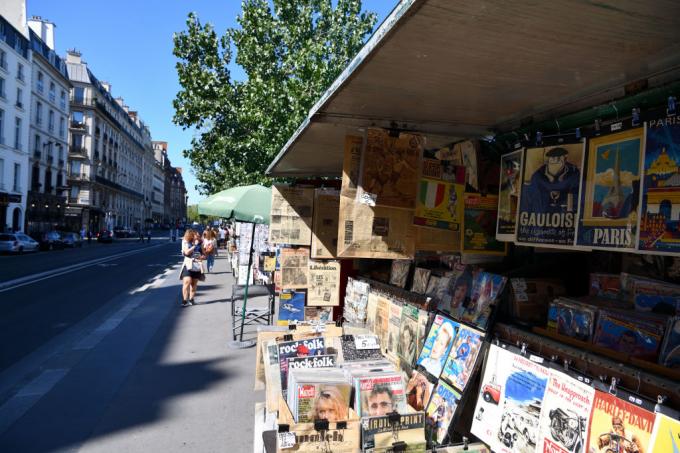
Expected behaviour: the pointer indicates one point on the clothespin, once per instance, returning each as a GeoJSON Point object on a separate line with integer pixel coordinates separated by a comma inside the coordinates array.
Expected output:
{"type": "Point", "coordinates": [612, 386]}
{"type": "Point", "coordinates": [539, 138]}
{"type": "Point", "coordinates": [670, 111]}
{"type": "Point", "coordinates": [660, 400]}
{"type": "Point", "coordinates": [635, 121]}
{"type": "Point", "coordinates": [566, 364]}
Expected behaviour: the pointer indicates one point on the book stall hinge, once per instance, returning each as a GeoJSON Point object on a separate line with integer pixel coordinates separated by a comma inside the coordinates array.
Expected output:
{"type": "Point", "coordinates": [283, 428]}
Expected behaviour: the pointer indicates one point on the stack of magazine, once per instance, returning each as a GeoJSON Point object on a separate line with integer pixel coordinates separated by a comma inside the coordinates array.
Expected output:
{"type": "Point", "coordinates": [318, 394]}
{"type": "Point", "coordinates": [378, 390]}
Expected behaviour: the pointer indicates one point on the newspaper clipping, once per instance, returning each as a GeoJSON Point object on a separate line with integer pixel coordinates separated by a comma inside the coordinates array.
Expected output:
{"type": "Point", "coordinates": [291, 215]}
{"type": "Point", "coordinates": [324, 283]}
{"type": "Point", "coordinates": [294, 268]}
{"type": "Point", "coordinates": [325, 227]}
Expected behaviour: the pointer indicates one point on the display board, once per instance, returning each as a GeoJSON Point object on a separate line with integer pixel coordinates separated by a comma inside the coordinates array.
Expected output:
{"type": "Point", "coordinates": [325, 225]}
{"type": "Point", "coordinates": [291, 215]}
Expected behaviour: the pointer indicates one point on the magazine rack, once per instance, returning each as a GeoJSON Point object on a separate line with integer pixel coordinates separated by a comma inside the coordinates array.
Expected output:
{"type": "Point", "coordinates": [253, 315]}
{"type": "Point", "coordinates": [322, 436]}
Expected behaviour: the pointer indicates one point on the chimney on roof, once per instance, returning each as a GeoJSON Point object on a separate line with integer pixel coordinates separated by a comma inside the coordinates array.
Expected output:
{"type": "Point", "coordinates": [44, 29]}
{"type": "Point", "coordinates": [133, 115]}
{"type": "Point", "coordinates": [106, 85]}
{"type": "Point", "coordinates": [14, 12]}
{"type": "Point", "coordinates": [73, 56]}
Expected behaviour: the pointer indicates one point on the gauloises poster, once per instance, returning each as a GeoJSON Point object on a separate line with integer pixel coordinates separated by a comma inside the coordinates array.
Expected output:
{"type": "Point", "coordinates": [665, 435]}
{"type": "Point", "coordinates": [479, 225]}
{"type": "Point", "coordinates": [440, 195]}
{"type": "Point", "coordinates": [617, 425]}
{"type": "Point", "coordinates": [548, 206]}
{"type": "Point", "coordinates": [564, 415]}
{"type": "Point", "coordinates": [508, 195]}
{"type": "Point", "coordinates": [659, 222]}
{"type": "Point", "coordinates": [610, 195]}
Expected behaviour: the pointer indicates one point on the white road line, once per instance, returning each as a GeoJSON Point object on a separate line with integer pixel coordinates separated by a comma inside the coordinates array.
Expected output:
{"type": "Point", "coordinates": [107, 326]}
{"type": "Point", "coordinates": [29, 279]}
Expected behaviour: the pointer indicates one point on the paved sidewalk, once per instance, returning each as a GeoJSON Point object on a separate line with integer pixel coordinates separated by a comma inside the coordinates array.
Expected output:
{"type": "Point", "coordinates": [162, 379]}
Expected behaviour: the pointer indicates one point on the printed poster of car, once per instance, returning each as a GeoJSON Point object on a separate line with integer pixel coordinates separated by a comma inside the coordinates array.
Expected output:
{"type": "Point", "coordinates": [665, 434]}
{"type": "Point", "coordinates": [508, 195]}
{"type": "Point", "coordinates": [487, 414]}
{"type": "Point", "coordinates": [548, 204]}
{"type": "Point", "coordinates": [610, 194]}
{"type": "Point", "coordinates": [291, 307]}
{"type": "Point", "coordinates": [565, 414]}
{"type": "Point", "coordinates": [440, 411]}
{"type": "Point", "coordinates": [440, 195]}
{"type": "Point", "coordinates": [438, 345]}
{"type": "Point", "coordinates": [463, 357]}
{"type": "Point", "coordinates": [479, 225]}
{"type": "Point", "coordinates": [659, 224]}
{"type": "Point", "coordinates": [618, 425]}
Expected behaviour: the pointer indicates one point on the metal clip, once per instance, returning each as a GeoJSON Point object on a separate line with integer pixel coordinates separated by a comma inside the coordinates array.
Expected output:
{"type": "Point", "coordinates": [466, 443]}
{"type": "Point", "coordinates": [635, 121]}
{"type": "Point", "coordinates": [597, 126]}
{"type": "Point", "coordinates": [321, 425]}
{"type": "Point", "coordinates": [288, 337]}
{"type": "Point", "coordinates": [566, 364]}
{"type": "Point", "coordinates": [539, 138]}
{"type": "Point", "coordinates": [670, 111]}
{"type": "Point", "coordinates": [660, 400]}
{"type": "Point", "coordinates": [616, 110]}
{"type": "Point", "coordinates": [559, 131]}
{"type": "Point", "coordinates": [523, 351]}
{"type": "Point", "coordinates": [612, 386]}
{"type": "Point", "coordinates": [577, 133]}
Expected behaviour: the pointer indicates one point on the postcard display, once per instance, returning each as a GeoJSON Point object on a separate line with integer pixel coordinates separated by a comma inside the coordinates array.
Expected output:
{"type": "Point", "coordinates": [244, 233]}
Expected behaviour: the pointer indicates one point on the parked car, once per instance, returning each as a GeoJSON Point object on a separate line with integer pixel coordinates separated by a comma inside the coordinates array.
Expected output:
{"type": "Point", "coordinates": [17, 243]}
{"type": "Point", "coordinates": [72, 240]}
{"type": "Point", "coordinates": [105, 236]}
{"type": "Point", "coordinates": [50, 240]}
{"type": "Point", "coordinates": [121, 232]}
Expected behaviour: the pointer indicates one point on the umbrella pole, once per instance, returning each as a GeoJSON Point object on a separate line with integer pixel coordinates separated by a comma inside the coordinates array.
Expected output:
{"type": "Point", "coordinates": [245, 293]}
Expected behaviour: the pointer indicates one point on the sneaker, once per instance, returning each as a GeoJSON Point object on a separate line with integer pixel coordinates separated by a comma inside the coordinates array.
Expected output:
{"type": "Point", "coordinates": [191, 301]}
{"type": "Point", "coordinates": [185, 303]}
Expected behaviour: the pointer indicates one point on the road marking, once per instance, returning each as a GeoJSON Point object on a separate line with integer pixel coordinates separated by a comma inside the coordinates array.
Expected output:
{"type": "Point", "coordinates": [29, 279]}
{"type": "Point", "coordinates": [107, 264]}
{"type": "Point", "coordinates": [107, 326]}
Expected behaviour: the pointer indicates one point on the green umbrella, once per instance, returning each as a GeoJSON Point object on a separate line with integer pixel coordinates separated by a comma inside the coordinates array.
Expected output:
{"type": "Point", "coordinates": [250, 204]}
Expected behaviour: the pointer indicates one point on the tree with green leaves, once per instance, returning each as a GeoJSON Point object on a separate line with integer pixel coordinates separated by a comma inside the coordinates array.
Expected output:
{"type": "Point", "coordinates": [290, 50]}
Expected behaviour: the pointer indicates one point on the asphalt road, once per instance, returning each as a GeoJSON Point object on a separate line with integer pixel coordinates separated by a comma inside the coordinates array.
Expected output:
{"type": "Point", "coordinates": [36, 312]}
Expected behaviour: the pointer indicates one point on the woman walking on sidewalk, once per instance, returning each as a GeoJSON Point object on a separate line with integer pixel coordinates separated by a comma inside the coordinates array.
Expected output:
{"type": "Point", "coordinates": [192, 268]}
{"type": "Point", "coordinates": [210, 248]}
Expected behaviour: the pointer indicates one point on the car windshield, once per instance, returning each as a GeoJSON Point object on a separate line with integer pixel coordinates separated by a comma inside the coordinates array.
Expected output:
{"type": "Point", "coordinates": [7, 237]}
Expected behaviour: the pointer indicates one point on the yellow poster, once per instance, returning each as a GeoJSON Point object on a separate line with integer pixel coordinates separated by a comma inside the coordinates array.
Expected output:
{"type": "Point", "coordinates": [666, 435]}
{"type": "Point", "coordinates": [440, 195]}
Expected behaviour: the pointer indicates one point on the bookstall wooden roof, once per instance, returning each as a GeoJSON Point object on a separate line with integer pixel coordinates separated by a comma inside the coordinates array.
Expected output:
{"type": "Point", "coordinates": [464, 69]}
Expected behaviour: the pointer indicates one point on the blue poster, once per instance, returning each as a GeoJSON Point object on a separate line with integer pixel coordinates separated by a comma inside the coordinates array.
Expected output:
{"type": "Point", "coordinates": [291, 307]}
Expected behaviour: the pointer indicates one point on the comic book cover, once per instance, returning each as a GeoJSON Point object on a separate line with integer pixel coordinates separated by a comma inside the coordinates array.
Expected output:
{"type": "Point", "coordinates": [389, 169]}
{"type": "Point", "coordinates": [610, 194]}
{"type": "Point", "coordinates": [665, 434]}
{"type": "Point", "coordinates": [630, 334]}
{"type": "Point", "coordinates": [605, 285]}
{"type": "Point", "coordinates": [551, 178]}
{"type": "Point", "coordinates": [575, 320]}
{"type": "Point", "coordinates": [291, 307]}
{"type": "Point", "coordinates": [508, 195]}
{"type": "Point", "coordinates": [462, 359]}
{"type": "Point", "coordinates": [432, 285]}
{"type": "Point", "coordinates": [409, 429]}
{"type": "Point", "coordinates": [297, 348]}
{"type": "Point", "coordinates": [670, 350]}
{"type": "Point", "coordinates": [486, 289]}
{"type": "Point", "coordinates": [319, 314]}
{"type": "Point", "coordinates": [324, 283]}
{"type": "Point", "coordinates": [461, 293]}
{"type": "Point", "coordinates": [479, 225]}
{"type": "Point", "coordinates": [617, 425]}
{"type": "Point", "coordinates": [294, 268]}
{"type": "Point", "coordinates": [437, 345]}
{"type": "Point", "coordinates": [379, 394]}
{"type": "Point", "coordinates": [440, 411]}
{"type": "Point", "coordinates": [565, 415]}
{"type": "Point", "coordinates": [440, 195]}
{"type": "Point", "coordinates": [420, 279]}
{"type": "Point", "coordinates": [408, 332]}
{"type": "Point", "coordinates": [418, 390]}
{"type": "Point", "coordinates": [291, 215]}
{"type": "Point", "coordinates": [656, 297]}
{"type": "Point", "coordinates": [659, 230]}
{"type": "Point", "coordinates": [394, 327]}
{"type": "Point", "coordinates": [325, 224]}
{"type": "Point", "coordinates": [399, 273]}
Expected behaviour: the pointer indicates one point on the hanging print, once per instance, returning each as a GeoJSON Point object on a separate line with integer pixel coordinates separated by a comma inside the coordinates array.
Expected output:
{"type": "Point", "coordinates": [608, 216]}
{"type": "Point", "coordinates": [508, 195]}
{"type": "Point", "coordinates": [660, 216]}
{"type": "Point", "coordinates": [551, 178]}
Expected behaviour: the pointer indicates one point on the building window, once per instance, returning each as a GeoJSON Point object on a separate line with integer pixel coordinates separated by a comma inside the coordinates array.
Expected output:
{"type": "Point", "coordinates": [17, 178]}
{"type": "Point", "coordinates": [48, 181]}
{"type": "Point", "coordinates": [79, 95]}
{"type": "Point", "coordinates": [3, 60]}
{"type": "Point", "coordinates": [38, 113]}
{"type": "Point", "coordinates": [40, 82]}
{"type": "Point", "coordinates": [62, 127]}
{"type": "Point", "coordinates": [2, 88]}
{"type": "Point", "coordinates": [53, 94]}
{"type": "Point", "coordinates": [77, 119]}
{"type": "Point", "coordinates": [35, 178]}
{"type": "Point", "coordinates": [2, 127]}
{"type": "Point", "coordinates": [50, 121]}
{"type": "Point", "coordinates": [60, 180]}
{"type": "Point", "coordinates": [17, 133]}
{"type": "Point", "coordinates": [63, 100]}
{"type": "Point", "coordinates": [74, 193]}
{"type": "Point", "coordinates": [2, 174]}
{"type": "Point", "coordinates": [77, 141]}
{"type": "Point", "coordinates": [20, 96]}
{"type": "Point", "coordinates": [37, 146]}
{"type": "Point", "coordinates": [20, 72]}
{"type": "Point", "coordinates": [75, 168]}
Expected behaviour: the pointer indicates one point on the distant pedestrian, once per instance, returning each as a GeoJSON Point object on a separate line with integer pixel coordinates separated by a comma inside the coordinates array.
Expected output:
{"type": "Point", "coordinates": [148, 235]}
{"type": "Point", "coordinates": [222, 237]}
{"type": "Point", "coordinates": [209, 248]}
{"type": "Point", "coordinates": [192, 267]}
{"type": "Point", "coordinates": [173, 233]}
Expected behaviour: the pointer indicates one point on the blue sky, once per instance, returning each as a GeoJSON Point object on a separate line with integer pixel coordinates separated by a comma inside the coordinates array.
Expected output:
{"type": "Point", "coordinates": [129, 44]}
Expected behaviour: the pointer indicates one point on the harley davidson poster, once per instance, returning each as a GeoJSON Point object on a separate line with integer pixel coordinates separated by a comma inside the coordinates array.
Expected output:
{"type": "Point", "coordinates": [291, 215]}
{"type": "Point", "coordinates": [325, 225]}
{"type": "Point", "coordinates": [294, 268]}
{"type": "Point", "coordinates": [565, 414]}
{"type": "Point", "coordinates": [508, 196]}
{"type": "Point", "coordinates": [389, 169]}
{"type": "Point", "coordinates": [440, 195]}
{"type": "Point", "coordinates": [617, 425]}
{"type": "Point", "coordinates": [665, 434]}
{"type": "Point", "coordinates": [324, 283]}
{"type": "Point", "coordinates": [659, 230]}
{"type": "Point", "coordinates": [548, 205]}
{"type": "Point", "coordinates": [479, 225]}
{"type": "Point", "coordinates": [610, 195]}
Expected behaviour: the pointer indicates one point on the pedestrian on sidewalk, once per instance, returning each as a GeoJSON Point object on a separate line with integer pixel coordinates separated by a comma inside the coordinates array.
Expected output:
{"type": "Point", "coordinates": [192, 267]}
{"type": "Point", "coordinates": [222, 236]}
{"type": "Point", "coordinates": [148, 235]}
{"type": "Point", "coordinates": [209, 248]}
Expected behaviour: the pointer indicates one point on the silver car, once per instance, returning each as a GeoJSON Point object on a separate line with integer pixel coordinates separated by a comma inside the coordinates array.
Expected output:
{"type": "Point", "coordinates": [17, 243]}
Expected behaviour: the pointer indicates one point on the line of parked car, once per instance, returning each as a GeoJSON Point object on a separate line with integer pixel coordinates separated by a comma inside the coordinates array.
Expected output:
{"type": "Point", "coordinates": [51, 240]}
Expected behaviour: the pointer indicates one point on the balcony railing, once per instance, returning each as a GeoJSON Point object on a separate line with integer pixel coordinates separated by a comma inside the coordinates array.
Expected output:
{"type": "Point", "coordinates": [77, 125]}
{"type": "Point", "coordinates": [78, 150]}
{"type": "Point", "coordinates": [78, 176]}
{"type": "Point", "coordinates": [90, 102]}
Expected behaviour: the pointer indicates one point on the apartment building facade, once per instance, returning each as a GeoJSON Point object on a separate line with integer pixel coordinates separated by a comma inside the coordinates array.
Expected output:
{"type": "Point", "coordinates": [175, 195]}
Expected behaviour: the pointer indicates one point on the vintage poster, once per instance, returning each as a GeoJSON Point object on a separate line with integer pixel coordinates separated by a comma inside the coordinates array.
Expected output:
{"type": "Point", "coordinates": [610, 191]}
{"type": "Point", "coordinates": [379, 433]}
{"type": "Point", "coordinates": [659, 232]}
{"type": "Point", "coordinates": [618, 425]}
{"type": "Point", "coordinates": [665, 434]}
{"type": "Point", "coordinates": [394, 327]}
{"type": "Point", "coordinates": [508, 195]}
{"type": "Point", "coordinates": [294, 268]}
{"type": "Point", "coordinates": [479, 225]}
{"type": "Point", "coordinates": [565, 414]}
{"type": "Point", "coordinates": [399, 272]}
{"type": "Point", "coordinates": [351, 165]}
{"type": "Point", "coordinates": [548, 205]}
{"type": "Point", "coordinates": [325, 225]}
{"type": "Point", "coordinates": [408, 333]}
{"type": "Point", "coordinates": [440, 195]}
{"type": "Point", "coordinates": [438, 345]}
{"type": "Point", "coordinates": [440, 411]}
{"type": "Point", "coordinates": [420, 279]}
{"type": "Point", "coordinates": [291, 307]}
{"type": "Point", "coordinates": [462, 359]}
{"type": "Point", "coordinates": [319, 314]}
{"type": "Point", "coordinates": [291, 215]}
{"type": "Point", "coordinates": [324, 283]}
{"type": "Point", "coordinates": [418, 390]}
{"type": "Point", "coordinates": [374, 232]}
{"type": "Point", "coordinates": [389, 169]}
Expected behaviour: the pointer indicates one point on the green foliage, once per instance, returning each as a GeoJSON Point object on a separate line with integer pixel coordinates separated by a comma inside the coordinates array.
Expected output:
{"type": "Point", "coordinates": [192, 213]}
{"type": "Point", "coordinates": [291, 54]}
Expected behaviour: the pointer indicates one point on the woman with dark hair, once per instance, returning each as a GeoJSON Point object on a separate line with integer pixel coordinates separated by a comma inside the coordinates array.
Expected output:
{"type": "Point", "coordinates": [192, 267]}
